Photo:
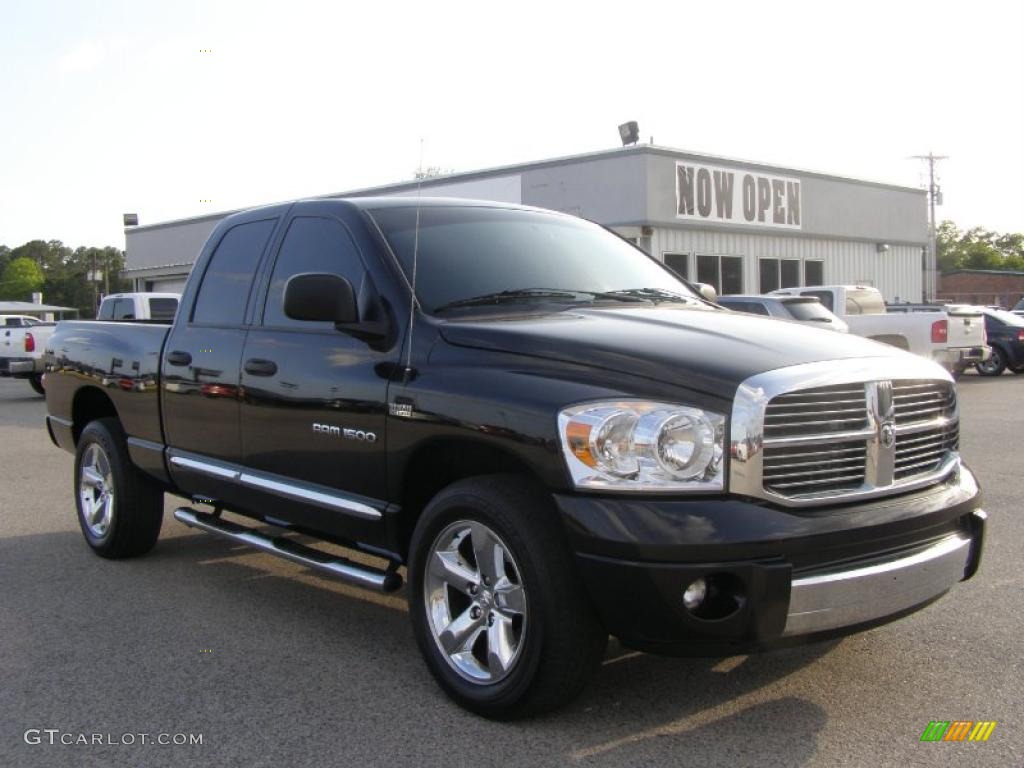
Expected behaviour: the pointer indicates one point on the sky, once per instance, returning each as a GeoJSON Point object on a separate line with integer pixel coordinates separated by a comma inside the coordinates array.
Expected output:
{"type": "Point", "coordinates": [180, 109]}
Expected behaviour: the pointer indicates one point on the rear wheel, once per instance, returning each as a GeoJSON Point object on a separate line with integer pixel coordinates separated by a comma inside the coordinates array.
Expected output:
{"type": "Point", "coordinates": [500, 616]}
{"type": "Point", "coordinates": [994, 366]}
{"type": "Point", "coordinates": [120, 510]}
{"type": "Point", "coordinates": [36, 382]}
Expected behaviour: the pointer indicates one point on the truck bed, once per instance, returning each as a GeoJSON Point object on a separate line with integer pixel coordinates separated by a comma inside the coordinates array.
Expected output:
{"type": "Point", "coordinates": [120, 359]}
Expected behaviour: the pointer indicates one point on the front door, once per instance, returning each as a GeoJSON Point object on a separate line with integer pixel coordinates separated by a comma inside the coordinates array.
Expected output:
{"type": "Point", "coordinates": [313, 410]}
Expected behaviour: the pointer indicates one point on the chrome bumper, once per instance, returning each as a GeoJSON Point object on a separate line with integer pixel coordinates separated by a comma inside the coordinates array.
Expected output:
{"type": "Point", "coordinates": [827, 601]}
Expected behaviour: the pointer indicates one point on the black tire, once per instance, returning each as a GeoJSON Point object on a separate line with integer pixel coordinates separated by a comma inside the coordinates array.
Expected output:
{"type": "Point", "coordinates": [136, 508]}
{"type": "Point", "coordinates": [36, 382]}
{"type": "Point", "coordinates": [561, 643]}
{"type": "Point", "coordinates": [995, 365]}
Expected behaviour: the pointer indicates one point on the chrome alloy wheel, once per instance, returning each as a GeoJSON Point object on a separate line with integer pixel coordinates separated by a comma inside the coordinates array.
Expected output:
{"type": "Point", "coordinates": [96, 491]}
{"type": "Point", "coordinates": [475, 602]}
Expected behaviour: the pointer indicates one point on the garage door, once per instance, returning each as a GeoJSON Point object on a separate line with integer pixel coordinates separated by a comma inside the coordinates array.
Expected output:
{"type": "Point", "coordinates": [177, 285]}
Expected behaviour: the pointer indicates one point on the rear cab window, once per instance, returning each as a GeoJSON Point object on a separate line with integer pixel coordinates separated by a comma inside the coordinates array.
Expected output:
{"type": "Point", "coordinates": [162, 310]}
{"type": "Point", "coordinates": [224, 292]}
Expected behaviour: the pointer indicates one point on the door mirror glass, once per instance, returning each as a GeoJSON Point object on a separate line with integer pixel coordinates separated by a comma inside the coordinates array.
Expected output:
{"type": "Point", "coordinates": [320, 297]}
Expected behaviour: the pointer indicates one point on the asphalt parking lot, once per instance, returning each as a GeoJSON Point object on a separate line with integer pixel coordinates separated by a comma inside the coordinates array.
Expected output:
{"type": "Point", "coordinates": [276, 666]}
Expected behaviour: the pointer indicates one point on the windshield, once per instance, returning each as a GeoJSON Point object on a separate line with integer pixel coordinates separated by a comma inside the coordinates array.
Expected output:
{"type": "Point", "coordinates": [505, 255]}
{"type": "Point", "coordinates": [808, 310]}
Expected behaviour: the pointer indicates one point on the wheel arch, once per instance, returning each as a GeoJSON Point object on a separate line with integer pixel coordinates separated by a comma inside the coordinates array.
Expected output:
{"type": "Point", "coordinates": [437, 463]}
{"type": "Point", "coordinates": [89, 404]}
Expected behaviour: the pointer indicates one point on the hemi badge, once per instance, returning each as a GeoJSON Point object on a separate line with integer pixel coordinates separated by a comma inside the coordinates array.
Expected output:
{"type": "Point", "coordinates": [402, 410]}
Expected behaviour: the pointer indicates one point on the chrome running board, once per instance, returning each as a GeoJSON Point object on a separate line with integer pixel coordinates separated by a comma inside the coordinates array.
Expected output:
{"type": "Point", "coordinates": [323, 562]}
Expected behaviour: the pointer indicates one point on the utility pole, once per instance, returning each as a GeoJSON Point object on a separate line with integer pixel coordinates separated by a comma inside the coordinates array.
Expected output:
{"type": "Point", "coordinates": [934, 197]}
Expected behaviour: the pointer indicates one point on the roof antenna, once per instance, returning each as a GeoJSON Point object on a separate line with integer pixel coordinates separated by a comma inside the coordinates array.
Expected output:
{"type": "Point", "coordinates": [415, 259]}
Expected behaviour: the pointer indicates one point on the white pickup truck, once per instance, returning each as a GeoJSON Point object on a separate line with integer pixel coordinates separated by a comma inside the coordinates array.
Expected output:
{"type": "Point", "coordinates": [955, 338]}
{"type": "Point", "coordinates": [138, 307]}
{"type": "Point", "coordinates": [22, 341]}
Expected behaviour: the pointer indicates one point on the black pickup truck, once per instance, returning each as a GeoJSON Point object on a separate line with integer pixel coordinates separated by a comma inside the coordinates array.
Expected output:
{"type": "Point", "coordinates": [556, 440]}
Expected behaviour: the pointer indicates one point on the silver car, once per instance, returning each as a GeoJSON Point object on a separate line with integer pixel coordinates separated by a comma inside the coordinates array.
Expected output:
{"type": "Point", "coordinates": [801, 309]}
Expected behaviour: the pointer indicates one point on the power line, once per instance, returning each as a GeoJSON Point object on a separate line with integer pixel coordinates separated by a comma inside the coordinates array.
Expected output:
{"type": "Point", "coordinates": [934, 198]}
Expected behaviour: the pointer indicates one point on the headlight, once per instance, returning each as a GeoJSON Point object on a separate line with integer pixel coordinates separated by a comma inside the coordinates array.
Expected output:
{"type": "Point", "coordinates": [643, 446]}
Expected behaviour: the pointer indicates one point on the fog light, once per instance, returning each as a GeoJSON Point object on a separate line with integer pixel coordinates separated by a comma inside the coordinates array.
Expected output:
{"type": "Point", "coordinates": [695, 594]}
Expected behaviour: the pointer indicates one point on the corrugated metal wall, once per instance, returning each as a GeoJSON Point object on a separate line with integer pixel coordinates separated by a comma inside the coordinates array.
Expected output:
{"type": "Point", "coordinates": [896, 273]}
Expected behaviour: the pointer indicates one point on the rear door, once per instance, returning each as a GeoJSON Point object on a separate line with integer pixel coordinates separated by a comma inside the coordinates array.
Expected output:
{"type": "Point", "coordinates": [314, 397]}
{"type": "Point", "coordinates": [202, 358]}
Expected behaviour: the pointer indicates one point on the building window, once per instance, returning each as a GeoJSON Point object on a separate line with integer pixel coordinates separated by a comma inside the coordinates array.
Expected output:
{"type": "Point", "coordinates": [778, 273]}
{"type": "Point", "coordinates": [814, 273]}
{"type": "Point", "coordinates": [725, 273]}
{"type": "Point", "coordinates": [678, 263]}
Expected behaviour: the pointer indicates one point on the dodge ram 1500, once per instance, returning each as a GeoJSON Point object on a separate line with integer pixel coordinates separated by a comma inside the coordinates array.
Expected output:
{"type": "Point", "coordinates": [548, 433]}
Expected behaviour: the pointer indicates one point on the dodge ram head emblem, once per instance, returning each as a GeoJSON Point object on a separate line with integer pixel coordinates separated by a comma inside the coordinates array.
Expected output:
{"type": "Point", "coordinates": [888, 434]}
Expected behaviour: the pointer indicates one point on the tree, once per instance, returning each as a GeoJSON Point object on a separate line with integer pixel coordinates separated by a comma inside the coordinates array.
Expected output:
{"type": "Point", "coordinates": [21, 277]}
{"type": "Point", "coordinates": [978, 248]}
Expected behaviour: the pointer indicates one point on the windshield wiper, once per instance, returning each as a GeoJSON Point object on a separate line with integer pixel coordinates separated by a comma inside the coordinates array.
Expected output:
{"type": "Point", "coordinates": [510, 296]}
{"type": "Point", "coordinates": [654, 295]}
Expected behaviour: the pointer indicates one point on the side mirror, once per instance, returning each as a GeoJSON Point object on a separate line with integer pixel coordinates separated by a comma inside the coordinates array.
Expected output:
{"type": "Point", "coordinates": [320, 297]}
{"type": "Point", "coordinates": [708, 292]}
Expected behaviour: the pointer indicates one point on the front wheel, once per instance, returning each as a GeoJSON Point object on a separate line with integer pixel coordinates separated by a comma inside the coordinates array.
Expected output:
{"type": "Point", "coordinates": [500, 616]}
{"type": "Point", "coordinates": [120, 510]}
{"type": "Point", "coordinates": [994, 366]}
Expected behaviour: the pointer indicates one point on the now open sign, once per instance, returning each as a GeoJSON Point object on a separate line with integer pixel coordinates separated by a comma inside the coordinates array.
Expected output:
{"type": "Point", "coordinates": [730, 196]}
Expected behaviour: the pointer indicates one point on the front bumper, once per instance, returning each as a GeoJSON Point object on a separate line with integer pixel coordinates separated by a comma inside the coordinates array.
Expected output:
{"type": "Point", "coordinates": [775, 576]}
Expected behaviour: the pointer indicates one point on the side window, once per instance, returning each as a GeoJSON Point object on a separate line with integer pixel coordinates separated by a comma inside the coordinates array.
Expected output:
{"type": "Point", "coordinates": [106, 310]}
{"type": "Point", "coordinates": [30, 321]}
{"type": "Point", "coordinates": [225, 288]}
{"type": "Point", "coordinates": [311, 245]}
{"type": "Point", "coordinates": [162, 310]}
{"type": "Point", "coordinates": [757, 309]}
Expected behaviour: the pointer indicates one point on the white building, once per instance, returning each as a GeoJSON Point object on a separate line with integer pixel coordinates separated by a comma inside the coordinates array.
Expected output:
{"type": "Point", "coordinates": [743, 227]}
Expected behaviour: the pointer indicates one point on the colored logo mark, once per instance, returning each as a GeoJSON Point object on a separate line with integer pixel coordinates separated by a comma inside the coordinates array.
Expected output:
{"type": "Point", "coordinates": [958, 730]}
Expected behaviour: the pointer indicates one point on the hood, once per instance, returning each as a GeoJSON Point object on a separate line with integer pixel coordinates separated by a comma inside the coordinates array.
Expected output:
{"type": "Point", "coordinates": [701, 349]}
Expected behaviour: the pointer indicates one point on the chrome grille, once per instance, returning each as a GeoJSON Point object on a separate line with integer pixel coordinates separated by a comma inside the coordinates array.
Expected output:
{"type": "Point", "coordinates": [864, 428]}
{"type": "Point", "coordinates": [816, 411]}
{"type": "Point", "coordinates": [922, 400]}
{"type": "Point", "coordinates": [923, 452]}
{"type": "Point", "coordinates": [839, 466]}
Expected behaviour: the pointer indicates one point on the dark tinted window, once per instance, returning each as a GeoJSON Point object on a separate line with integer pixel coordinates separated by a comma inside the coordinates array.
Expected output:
{"type": "Point", "coordinates": [163, 309]}
{"type": "Point", "coordinates": [814, 273]}
{"type": "Point", "coordinates": [678, 263]}
{"type": "Point", "coordinates": [12, 322]}
{"type": "Point", "coordinates": [707, 272]}
{"type": "Point", "coordinates": [790, 273]}
{"type": "Point", "coordinates": [467, 252]}
{"type": "Point", "coordinates": [769, 274]}
{"type": "Point", "coordinates": [106, 310]}
{"type": "Point", "coordinates": [225, 289]}
{"type": "Point", "coordinates": [311, 245]}
{"type": "Point", "coordinates": [732, 274]}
